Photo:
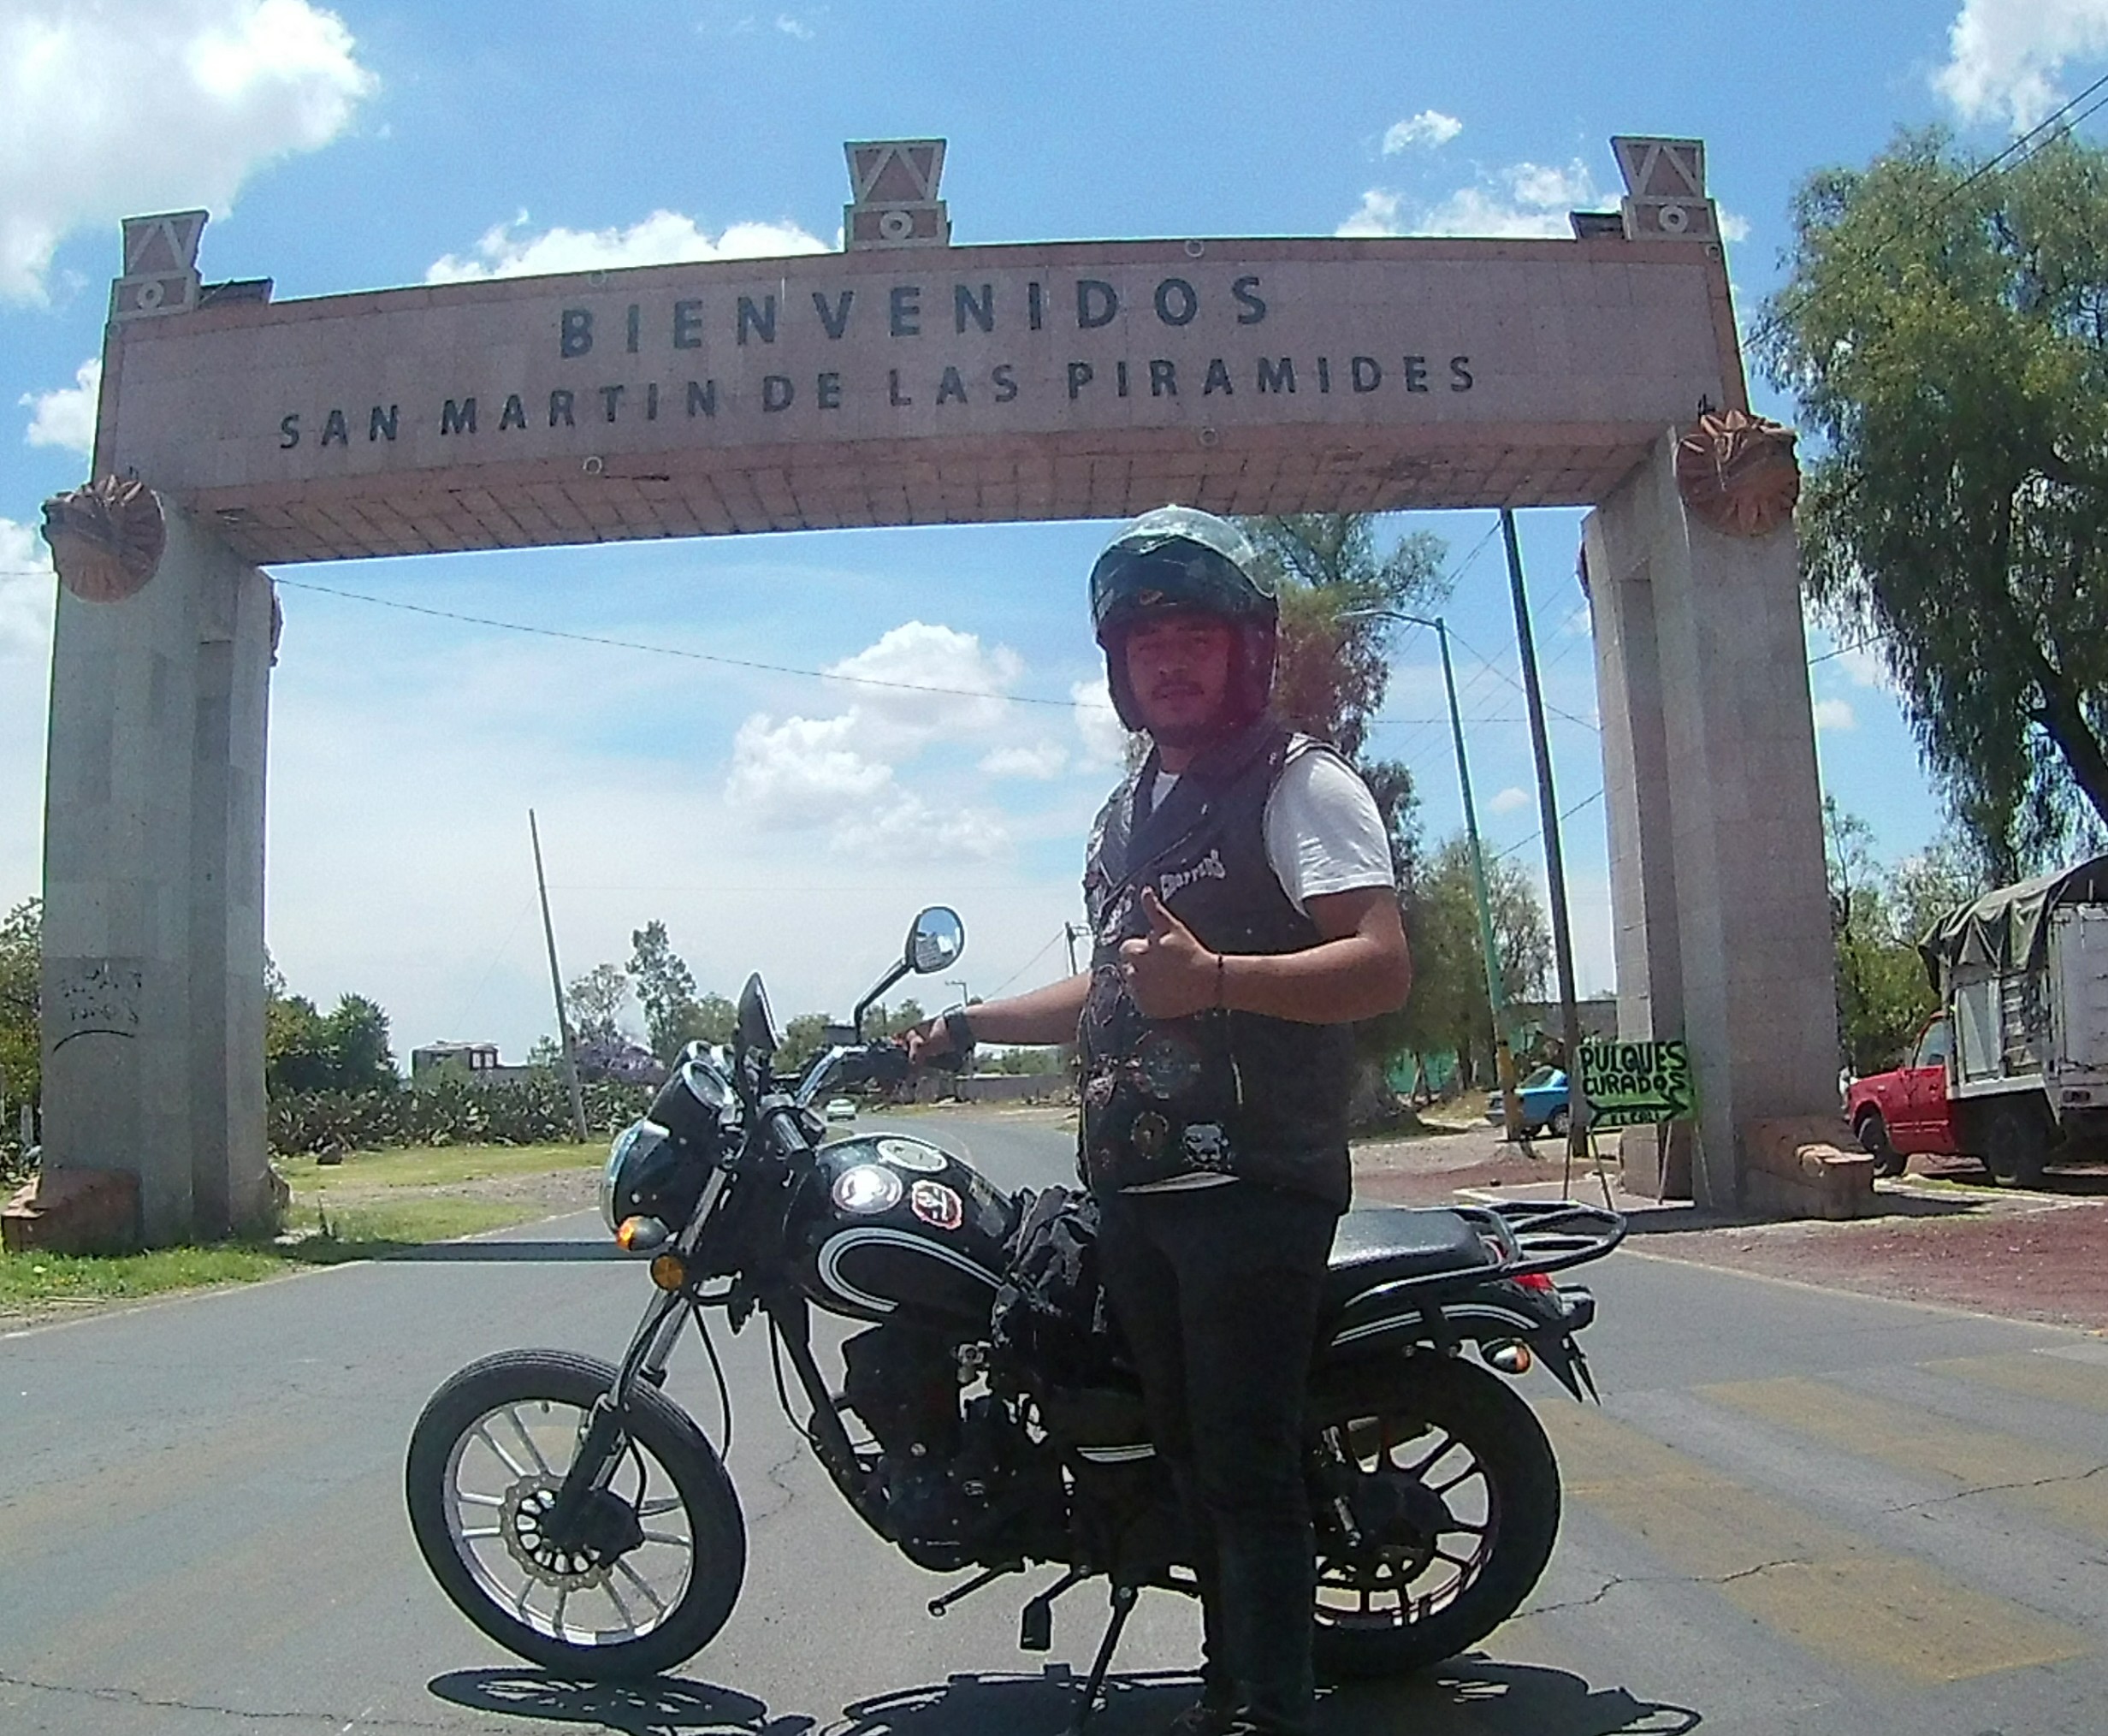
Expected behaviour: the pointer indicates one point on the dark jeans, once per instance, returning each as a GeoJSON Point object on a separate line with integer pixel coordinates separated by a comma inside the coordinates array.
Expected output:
{"type": "Point", "coordinates": [1217, 1291]}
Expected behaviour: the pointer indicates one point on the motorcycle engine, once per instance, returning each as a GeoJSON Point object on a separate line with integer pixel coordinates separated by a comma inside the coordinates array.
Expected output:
{"type": "Point", "coordinates": [945, 1466]}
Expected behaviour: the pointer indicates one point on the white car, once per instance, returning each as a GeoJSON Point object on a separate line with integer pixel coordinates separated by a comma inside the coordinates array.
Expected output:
{"type": "Point", "coordinates": [839, 1109]}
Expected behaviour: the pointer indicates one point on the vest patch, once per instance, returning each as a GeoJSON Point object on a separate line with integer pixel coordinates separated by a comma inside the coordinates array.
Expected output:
{"type": "Point", "coordinates": [1209, 867]}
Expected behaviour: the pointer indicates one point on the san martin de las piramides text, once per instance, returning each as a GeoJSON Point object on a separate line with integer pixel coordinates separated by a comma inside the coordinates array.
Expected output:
{"type": "Point", "coordinates": [1177, 302]}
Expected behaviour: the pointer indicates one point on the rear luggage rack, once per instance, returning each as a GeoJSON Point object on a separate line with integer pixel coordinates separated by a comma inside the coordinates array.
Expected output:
{"type": "Point", "coordinates": [1544, 1236]}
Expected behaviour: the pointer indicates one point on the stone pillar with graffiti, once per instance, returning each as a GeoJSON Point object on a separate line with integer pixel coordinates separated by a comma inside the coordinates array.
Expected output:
{"type": "Point", "coordinates": [153, 913]}
{"type": "Point", "coordinates": [1718, 892]}
{"type": "Point", "coordinates": [1717, 881]}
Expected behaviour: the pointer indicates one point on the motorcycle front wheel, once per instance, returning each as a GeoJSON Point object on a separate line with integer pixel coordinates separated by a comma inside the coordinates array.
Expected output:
{"type": "Point", "coordinates": [1455, 1493]}
{"type": "Point", "coordinates": [658, 1564]}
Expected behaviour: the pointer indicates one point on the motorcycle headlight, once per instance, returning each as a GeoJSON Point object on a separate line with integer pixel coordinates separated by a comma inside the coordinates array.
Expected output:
{"type": "Point", "coordinates": [650, 1175]}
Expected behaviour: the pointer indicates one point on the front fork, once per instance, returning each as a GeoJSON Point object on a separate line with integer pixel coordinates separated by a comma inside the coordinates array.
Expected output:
{"type": "Point", "coordinates": [600, 1440]}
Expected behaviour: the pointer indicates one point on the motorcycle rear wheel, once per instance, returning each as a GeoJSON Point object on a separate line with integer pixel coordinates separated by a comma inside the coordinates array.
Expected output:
{"type": "Point", "coordinates": [1463, 1434]}
{"type": "Point", "coordinates": [486, 1458]}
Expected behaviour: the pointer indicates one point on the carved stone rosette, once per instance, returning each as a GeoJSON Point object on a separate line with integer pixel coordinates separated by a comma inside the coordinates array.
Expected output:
{"type": "Point", "coordinates": [1737, 473]}
{"type": "Point", "coordinates": [106, 539]}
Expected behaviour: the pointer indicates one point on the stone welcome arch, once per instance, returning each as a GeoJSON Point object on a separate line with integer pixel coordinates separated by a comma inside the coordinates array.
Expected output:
{"type": "Point", "coordinates": [906, 381]}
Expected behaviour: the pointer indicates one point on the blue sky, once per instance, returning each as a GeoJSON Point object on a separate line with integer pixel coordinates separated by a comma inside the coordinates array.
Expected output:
{"type": "Point", "coordinates": [792, 823]}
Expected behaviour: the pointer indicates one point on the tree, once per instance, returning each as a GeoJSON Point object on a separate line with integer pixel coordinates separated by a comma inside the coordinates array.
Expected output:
{"type": "Point", "coordinates": [1878, 916]}
{"type": "Point", "coordinates": [667, 990]}
{"type": "Point", "coordinates": [1333, 670]}
{"type": "Point", "coordinates": [306, 1050]}
{"type": "Point", "coordinates": [1945, 330]}
{"type": "Point", "coordinates": [20, 1034]}
{"type": "Point", "coordinates": [596, 1001]}
{"type": "Point", "coordinates": [1449, 1008]}
{"type": "Point", "coordinates": [357, 1033]}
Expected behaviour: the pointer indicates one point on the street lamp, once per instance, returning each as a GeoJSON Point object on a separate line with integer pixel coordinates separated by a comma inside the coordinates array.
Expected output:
{"type": "Point", "coordinates": [1504, 1053]}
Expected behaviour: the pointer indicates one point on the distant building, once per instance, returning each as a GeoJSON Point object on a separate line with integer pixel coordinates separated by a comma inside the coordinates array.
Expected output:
{"type": "Point", "coordinates": [472, 1063]}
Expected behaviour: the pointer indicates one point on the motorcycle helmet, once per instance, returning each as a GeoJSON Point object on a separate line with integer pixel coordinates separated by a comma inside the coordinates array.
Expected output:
{"type": "Point", "coordinates": [1180, 558]}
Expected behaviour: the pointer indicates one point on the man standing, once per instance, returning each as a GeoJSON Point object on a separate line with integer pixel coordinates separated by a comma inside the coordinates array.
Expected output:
{"type": "Point", "coordinates": [1241, 894]}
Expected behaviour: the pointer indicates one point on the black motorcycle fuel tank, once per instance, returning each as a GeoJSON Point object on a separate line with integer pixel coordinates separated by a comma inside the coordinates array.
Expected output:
{"type": "Point", "coordinates": [888, 1226]}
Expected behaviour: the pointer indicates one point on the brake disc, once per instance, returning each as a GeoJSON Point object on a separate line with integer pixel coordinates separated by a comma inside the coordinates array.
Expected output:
{"type": "Point", "coordinates": [526, 1503]}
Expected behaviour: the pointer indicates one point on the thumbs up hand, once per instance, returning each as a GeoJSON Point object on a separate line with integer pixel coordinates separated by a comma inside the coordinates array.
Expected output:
{"type": "Point", "coordinates": [1169, 974]}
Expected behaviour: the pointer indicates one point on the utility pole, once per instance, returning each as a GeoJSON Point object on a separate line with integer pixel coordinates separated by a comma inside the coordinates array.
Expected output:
{"type": "Point", "coordinates": [1070, 932]}
{"type": "Point", "coordinates": [1555, 864]}
{"type": "Point", "coordinates": [1497, 997]}
{"type": "Point", "coordinates": [556, 986]}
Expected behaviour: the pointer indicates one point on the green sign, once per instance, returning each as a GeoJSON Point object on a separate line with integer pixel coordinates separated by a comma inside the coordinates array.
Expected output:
{"type": "Point", "coordinates": [1636, 1084]}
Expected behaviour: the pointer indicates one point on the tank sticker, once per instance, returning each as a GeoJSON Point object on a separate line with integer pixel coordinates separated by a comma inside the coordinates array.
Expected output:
{"type": "Point", "coordinates": [913, 1156]}
{"type": "Point", "coordinates": [1206, 1146]}
{"type": "Point", "coordinates": [867, 1189]}
{"type": "Point", "coordinates": [937, 1205]}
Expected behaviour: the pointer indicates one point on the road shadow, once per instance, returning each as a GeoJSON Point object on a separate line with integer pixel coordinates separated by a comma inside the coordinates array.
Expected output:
{"type": "Point", "coordinates": [473, 1252]}
{"type": "Point", "coordinates": [1467, 1696]}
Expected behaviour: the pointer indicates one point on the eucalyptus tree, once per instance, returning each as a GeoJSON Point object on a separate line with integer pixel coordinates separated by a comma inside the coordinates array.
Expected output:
{"type": "Point", "coordinates": [1944, 328]}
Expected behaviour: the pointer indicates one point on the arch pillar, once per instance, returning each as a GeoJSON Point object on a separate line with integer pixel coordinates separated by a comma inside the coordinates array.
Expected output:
{"type": "Point", "coordinates": [153, 912]}
{"type": "Point", "coordinates": [1719, 899]}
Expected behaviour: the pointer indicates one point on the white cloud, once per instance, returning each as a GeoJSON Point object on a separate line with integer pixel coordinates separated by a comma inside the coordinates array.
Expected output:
{"type": "Point", "coordinates": [27, 596]}
{"type": "Point", "coordinates": [941, 683]}
{"type": "Point", "coordinates": [1431, 128]}
{"type": "Point", "coordinates": [126, 107]}
{"type": "Point", "coordinates": [1508, 800]}
{"type": "Point", "coordinates": [66, 416]}
{"type": "Point", "coordinates": [2003, 57]}
{"type": "Point", "coordinates": [1378, 215]}
{"type": "Point", "coordinates": [1524, 199]}
{"type": "Point", "coordinates": [1866, 667]}
{"type": "Point", "coordinates": [1105, 737]}
{"type": "Point", "coordinates": [664, 238]}
{"type": "Point", "coordinates": [1835, 716]}
{"type": "Point", "coordinates": [1040, 759]}
{"type": "Point", "coordinates": [838, 774]}
{"type": "Point", "coordinates": [794, 26]}
{"type": "Point", "coordinates": [1734, 227]}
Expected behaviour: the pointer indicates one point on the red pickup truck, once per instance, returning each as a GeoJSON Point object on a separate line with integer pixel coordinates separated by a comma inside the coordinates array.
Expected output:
{"type": "Point", "coordinates": [1907, 1109]}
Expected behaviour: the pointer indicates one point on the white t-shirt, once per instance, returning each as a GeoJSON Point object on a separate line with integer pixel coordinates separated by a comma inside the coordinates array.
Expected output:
{"type": "Point", "coordinates": [1324, 831]}
{"type": "Point", "coordinates": [1323, 834]}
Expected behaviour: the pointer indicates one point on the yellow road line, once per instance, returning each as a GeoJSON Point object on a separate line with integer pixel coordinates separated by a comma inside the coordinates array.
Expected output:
{"type": "Point", "coordinates": [2021, 1473]}
{"type": "Point", "coordinates": [2058, 1379]}
{"type": "Point", "coordinates": [1837, 1595]}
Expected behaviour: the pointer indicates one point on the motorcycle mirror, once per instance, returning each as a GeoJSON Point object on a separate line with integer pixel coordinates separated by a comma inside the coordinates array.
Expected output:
{"type": "Point", "coordinates": [757, 1029]}
{"type": "Point", "coordinates": [935, 941]}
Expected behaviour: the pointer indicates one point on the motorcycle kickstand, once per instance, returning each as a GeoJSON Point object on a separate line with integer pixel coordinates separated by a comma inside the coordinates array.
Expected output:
{"type": "Point", "coordinates": [1122, 1607]}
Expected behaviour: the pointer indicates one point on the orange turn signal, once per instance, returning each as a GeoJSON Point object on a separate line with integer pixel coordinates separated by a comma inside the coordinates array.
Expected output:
{"type": "Point", "coordinates": [639, 1234]}
{"type": "Point", "coordinates": [668, 1271]}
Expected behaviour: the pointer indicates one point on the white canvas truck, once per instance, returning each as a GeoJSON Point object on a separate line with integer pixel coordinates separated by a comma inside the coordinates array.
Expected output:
{"type": "Point", "coordinates": [2022, 975]}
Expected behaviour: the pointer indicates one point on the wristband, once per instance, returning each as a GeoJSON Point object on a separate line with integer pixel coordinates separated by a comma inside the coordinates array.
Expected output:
{"type": "Point", "coordinates": [959, 1028]}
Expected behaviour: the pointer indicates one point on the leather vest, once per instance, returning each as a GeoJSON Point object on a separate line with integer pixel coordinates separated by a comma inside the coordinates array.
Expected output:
{"type": "Point", "coordinates": [1236, 1094]}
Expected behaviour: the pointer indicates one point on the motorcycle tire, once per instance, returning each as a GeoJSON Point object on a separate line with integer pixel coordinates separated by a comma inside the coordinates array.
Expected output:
{"type": "Point", "coordinates": [485, 1458]}
{"type": "Point", "coordinates": [1460, 1425]}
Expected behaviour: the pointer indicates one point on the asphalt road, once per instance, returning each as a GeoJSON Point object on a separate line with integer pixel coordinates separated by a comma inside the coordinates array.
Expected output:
{"type": "Point", "coordinates": [1797, 1511]}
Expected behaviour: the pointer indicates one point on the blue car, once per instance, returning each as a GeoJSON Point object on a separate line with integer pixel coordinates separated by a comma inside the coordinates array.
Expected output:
{"type": "Point", "coordinates": [1543, 1096]}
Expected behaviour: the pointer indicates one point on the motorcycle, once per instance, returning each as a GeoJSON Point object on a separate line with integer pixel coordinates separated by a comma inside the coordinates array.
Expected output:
{"type": "Point", "coordinates": [985, 1420]}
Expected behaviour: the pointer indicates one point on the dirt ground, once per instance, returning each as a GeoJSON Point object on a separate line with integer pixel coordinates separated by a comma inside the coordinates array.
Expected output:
{"type": "Point", "coordinates": [1943, 1234]}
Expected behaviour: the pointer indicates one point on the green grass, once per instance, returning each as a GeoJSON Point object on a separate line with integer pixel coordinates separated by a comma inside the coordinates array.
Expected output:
{"type": "Point", "coordinates": [435, 1166]}
{"type": "Point", "coordinates": [370, 1205]}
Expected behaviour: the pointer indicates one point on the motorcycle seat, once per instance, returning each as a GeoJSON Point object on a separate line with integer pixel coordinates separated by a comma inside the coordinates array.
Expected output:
{"type": "Point", "coordinates": [1382, 1244]}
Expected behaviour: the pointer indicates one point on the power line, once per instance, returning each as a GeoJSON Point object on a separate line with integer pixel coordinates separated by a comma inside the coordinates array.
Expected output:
{"type": "Point", "coordinates": [2037, 138]}
{"type": "Point", "coordinates": [1474, 651]}
{"type": "Point", "coordinates": [1569, 813]}
{"type": "Point", "coordinates": [1060, 934]}
{"type": "Point", "coordinates": [604, 640]}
